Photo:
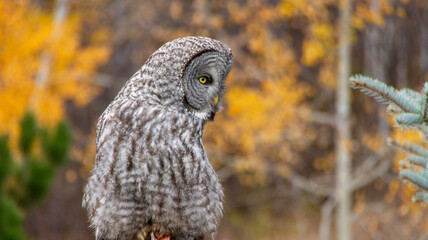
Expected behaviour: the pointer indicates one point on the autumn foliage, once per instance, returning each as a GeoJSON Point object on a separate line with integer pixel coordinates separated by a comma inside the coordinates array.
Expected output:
{"type": "Point", "coordinates": [27, 36]}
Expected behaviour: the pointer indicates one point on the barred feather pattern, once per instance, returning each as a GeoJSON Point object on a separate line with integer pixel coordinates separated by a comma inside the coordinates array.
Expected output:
{"type": "Point", "coordinates": [151, 168]}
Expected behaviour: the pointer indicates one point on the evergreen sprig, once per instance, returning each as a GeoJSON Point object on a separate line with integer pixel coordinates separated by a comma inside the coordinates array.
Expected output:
{"type": "Point", "coordinates": [420, 196]}
{"type": "Point", "coordinates": [408, 119]}
{"type": "Point", "coordinates": [418, 160]}
{"type": "Point", "coordinates": [410, 110]}
{"type": "Point", "coordinates": [409, 147]}
{"type": "Point", "coordinates": [418, 179]}
{"type": "Point", "coordinates": [25, 182]}
{"type": "Point", "coordinates": [387, 94]}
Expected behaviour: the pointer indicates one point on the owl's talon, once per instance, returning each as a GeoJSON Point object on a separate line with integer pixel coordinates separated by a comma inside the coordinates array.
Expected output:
{"type": "Point", "coordinates": [142, 235]}
{"type": "Point", "coordinates": [152, 236]}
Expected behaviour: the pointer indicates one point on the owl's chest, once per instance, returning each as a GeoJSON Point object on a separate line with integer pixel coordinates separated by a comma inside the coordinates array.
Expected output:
{"type": "Point", "coordinates": [184, 197]}
{"type": "Point", "coordinates": [181, 173]}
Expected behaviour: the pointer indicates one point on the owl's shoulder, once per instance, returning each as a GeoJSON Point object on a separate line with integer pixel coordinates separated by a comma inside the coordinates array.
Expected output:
{"type": "Point", "coordinates": [139, 114]}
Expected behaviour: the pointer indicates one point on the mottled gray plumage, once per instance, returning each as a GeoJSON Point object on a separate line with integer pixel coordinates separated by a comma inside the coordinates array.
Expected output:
{"type": "Point", "coordinates": [151, 168]}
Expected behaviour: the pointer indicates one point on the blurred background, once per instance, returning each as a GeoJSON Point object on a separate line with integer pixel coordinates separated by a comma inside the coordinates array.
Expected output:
{"type": "Point", "coordinates": [274, 144]}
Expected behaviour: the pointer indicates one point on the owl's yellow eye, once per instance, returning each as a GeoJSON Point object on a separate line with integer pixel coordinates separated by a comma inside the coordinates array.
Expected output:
{"type": "Point", "coordinates": [203, 80]}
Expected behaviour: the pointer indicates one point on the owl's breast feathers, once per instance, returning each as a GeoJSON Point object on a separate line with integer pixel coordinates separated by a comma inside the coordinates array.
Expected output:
{"type": "Point", "coordinates": [152, 170]}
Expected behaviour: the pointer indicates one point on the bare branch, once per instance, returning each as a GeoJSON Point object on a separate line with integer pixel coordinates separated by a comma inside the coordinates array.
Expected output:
{"type": "Point", "coordinates": [225, 172]}
{"type": "Point", "coordinates": [371, 161]}
{"type": "Point", "coordinates": [367, 165]}
{"type": "Point", "coordinates": [311, 186]}
{"type": "Point", "coordinates": [370, 175]}
{"type": "Point", "coordinates": [325, 222]}
{"type": "Point", "coordinates": [322, 117]}
{"type": "Point", "coordinates": [104, 80]}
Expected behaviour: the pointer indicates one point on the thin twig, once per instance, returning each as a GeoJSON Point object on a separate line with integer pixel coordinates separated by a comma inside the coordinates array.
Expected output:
{"type": "Point", "coordinates": [322, 117]}
{"type": "Point", "coordinates": [311, 186]}
{"type": "Point", "coordinates": [371, 175]}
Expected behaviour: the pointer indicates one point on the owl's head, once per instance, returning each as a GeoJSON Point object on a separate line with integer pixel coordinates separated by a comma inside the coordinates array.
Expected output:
{"type": "Point", "coordinates": [203, 82]}
{"type": "Point", "coordinates": [186, 74]}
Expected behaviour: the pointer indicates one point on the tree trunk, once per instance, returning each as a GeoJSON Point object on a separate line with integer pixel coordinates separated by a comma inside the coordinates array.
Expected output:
{"type": "Point", "coordinates": [60, 14]}
{"type": "Point", "coordinates": [343, 139]}
{"type": "Point", "coordinates": [375, 59]}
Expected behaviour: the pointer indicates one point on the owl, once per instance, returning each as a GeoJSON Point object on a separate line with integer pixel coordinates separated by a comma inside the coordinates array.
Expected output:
{"type": "Point", "coordinates": [152, 178]}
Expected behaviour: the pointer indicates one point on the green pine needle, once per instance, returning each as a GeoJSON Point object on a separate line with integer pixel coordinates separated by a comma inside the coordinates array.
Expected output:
{"type": "Point", "coordinates": [410, 110]}
{"type": "Point", "coordinates": [418, 160]}
{"type": "Point", "coordinates": [415, 178]}
{"type": "Point", "coordinates": [416, 98]}
{"type": "Point", "coordinates": [409, 119]}
{"type": "Point", "coordinates": [409, 147]}
{"type": "Point", "coordinates": [384, 93]}
{"type": "Point", "coordinates": [420, 196]}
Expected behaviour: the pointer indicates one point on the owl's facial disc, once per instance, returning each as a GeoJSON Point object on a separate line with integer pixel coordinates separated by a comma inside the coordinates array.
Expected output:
{"type": "Point", "coordinates": [204, 81]}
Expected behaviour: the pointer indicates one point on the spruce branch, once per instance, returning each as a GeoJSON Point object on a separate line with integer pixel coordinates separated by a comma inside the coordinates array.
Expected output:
{"type": "Point", "coordinates": [418, 99]}
{"type": "Point", "coordinates": [423, 172]}
{"type": "Point", "coordinates": [417, 179]}
{"type": "Point", "coordinates": [393, 109]}
{"type": "Point", "coordinates": [420, 196]}
{"type": "Point", "coordinates": [408, 119]}
{"type": "Point", "coordinates": [418, 160]}
{"type": "Point", "coordinates": [424, 130]}
{"type": "Point", "coordinates": [409, 147]}
{"type": "Point", "coordinates": [425, 91]}
{"type": "Point", "coordinates": [384, 93]}
{"type": "Point", "coordinates": [410, 109]}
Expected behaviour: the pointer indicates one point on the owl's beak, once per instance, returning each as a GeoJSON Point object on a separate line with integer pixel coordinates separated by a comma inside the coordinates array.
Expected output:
{"type": "Point", "coordinates": [215, 100]}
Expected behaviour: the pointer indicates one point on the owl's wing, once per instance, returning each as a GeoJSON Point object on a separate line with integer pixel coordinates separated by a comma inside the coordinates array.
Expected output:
{"type": "Point", "coordinates": [113, 123]}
